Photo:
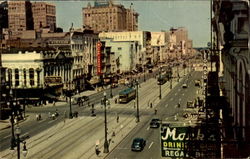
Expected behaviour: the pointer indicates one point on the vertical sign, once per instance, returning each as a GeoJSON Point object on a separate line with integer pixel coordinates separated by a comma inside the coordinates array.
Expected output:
{"type": "Point", "coordinates": [99, 61]}
{"type": "Point", "coordinates": [173, 142]}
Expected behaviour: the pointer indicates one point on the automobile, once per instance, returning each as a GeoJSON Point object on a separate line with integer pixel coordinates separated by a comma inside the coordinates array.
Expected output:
{"type": "Point", "coordinates": [138, 144]}
{"type": "Point", "coordinates": [114, 85]}
{"type": "Point", "coordinates": [155, 123]}
{"type": "Point", "coordinates": [197, 82]}
{"type": "Point", "coordinates": [184, 85]}
{"type": "Point", "coordinates": [77, 100]}
{"type": "Point", "coordinates": [190, 104]}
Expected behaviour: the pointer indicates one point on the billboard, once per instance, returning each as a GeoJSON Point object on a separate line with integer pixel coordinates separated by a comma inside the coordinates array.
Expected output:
{"type": "Point", "coordinates": [99, 58]}
{"type": "Point", "coordinates": [173, 142]}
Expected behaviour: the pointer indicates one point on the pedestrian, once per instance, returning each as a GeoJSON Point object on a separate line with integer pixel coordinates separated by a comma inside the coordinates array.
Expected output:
{"type": "Point", "coordinates": [117, 119]}
{"type": "Point", "coordinates": [49, 114]}
{"type": "Point", "coordinates": [37, 117]}
{"type": "Point", "coordinates": [97, 151]}
{"type": "Point", "coordinates": [65, 116]}
{"type": "Point", "coordinates": [155, 111]}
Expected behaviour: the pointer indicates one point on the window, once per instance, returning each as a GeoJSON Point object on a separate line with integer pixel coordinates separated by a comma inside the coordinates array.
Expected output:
{"type": "Point", "coordinates": [24, 77]}
{"type": "Point", "coordinates": [10, 76]}
{"type": "Point", "coordinates": [31, 72]}
{"type": "Point", "coordinates": [119, 48]}
{"type": "Point", "coordinates": [16, 77]}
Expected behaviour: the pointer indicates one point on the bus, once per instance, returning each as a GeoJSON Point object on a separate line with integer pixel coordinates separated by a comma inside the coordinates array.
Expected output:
{"type": "Point", "coordinates": [127, 95]}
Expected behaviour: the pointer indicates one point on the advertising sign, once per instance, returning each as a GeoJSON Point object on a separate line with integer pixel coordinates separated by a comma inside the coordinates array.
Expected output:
{"type": "Point", "coordinates": [173, 142]}
{"type": "Point", "coordinates": [99, 58]}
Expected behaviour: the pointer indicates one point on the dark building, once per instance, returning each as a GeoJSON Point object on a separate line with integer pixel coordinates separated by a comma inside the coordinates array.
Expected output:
{"type": "Point", "coordinates": [3, 17]}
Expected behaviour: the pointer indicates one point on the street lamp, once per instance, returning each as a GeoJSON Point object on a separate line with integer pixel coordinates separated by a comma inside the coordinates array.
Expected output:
{"type": "Point", "coordinates": [144, 74]}
{"type": "Point", "coordinates": [18, 132]}
{"type": "Point", "coordinates": [10, 104]}
{"type": "Point", "coordinates": [178, 76]}
{"type": "Point", "coordinates": [70, 108]}
{"type": "Point", "coordinates": [106, 144]}
{"type": "Point", "coordinates": [111, 95]}
{"type": "Point", "coordinates": [137, 102]}
{"type": "Point", "coordinates": [160, 84]}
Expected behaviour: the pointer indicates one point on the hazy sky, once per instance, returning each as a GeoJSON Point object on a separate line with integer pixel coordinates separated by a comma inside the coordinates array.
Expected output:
{"type": "Point", "coordinates": [153, 16]}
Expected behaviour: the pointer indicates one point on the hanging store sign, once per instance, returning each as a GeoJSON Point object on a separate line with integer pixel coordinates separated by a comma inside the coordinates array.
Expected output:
{"type": "Point", "coordinates": [173, 142]}
{"type": "Point", "coordinates": [99, 61]}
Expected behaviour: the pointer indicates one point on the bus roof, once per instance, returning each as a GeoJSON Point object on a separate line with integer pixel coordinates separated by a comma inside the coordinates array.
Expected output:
{"type": "Point", "coordinates": [126, 91]}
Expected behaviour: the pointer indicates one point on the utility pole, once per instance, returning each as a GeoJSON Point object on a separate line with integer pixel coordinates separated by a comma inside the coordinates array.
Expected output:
{"type": "Point", "coordinates": [106, 144]}
{"type": "Point", "coordinates": [160, 83]}
{"type": "Point", "coordinates": [137, 101]}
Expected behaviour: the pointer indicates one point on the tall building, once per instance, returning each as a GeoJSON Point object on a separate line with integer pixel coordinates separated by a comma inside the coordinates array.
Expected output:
{"type": "Point", "coordinates": [106, 16]}
{"type": "Point", "coordinates": [44, 15]}
{"type": "Point", "coordinates": [3, 17]}
{"type": "Point", "coordinates": [20, 16]}
{"type": "Point", "coordinates": [232, 30]}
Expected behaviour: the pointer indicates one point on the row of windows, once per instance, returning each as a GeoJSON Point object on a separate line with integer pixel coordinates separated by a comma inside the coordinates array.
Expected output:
{"type": "Point", "coordinates": [31, 81]}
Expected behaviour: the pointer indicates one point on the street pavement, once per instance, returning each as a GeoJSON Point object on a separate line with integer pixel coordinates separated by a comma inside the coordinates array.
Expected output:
{"type": "Point", "coordinates": [83, 133]}
{"type": "Point", "coordinates": [168, 113]}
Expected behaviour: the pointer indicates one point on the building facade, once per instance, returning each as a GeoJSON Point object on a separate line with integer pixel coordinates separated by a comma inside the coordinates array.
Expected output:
{"type": "Point", "coordinates": [44, 15]}
{"type": "Point", "coordinates": [3, 17]}
{"type": "Point", "coordinates": [123, 55]}
{"type": "Point", "coordinates": [231, 27]}
{"type": "Point", "coordinates": [144, 53]}
{"type": "Point", "coordinates": [20, 16]}
{"type": "Point", "coordinates": [106, 16]}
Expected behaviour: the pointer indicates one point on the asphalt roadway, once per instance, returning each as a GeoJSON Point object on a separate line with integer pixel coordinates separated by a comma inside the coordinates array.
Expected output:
{"type": "Point", "coordinates": [167, 109]}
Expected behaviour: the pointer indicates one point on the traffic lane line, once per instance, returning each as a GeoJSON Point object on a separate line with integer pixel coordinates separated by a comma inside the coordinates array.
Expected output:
{"type": "Point", "coordinates": [150, 145]}
{"type": "Point", "coordinates": [6, 136]}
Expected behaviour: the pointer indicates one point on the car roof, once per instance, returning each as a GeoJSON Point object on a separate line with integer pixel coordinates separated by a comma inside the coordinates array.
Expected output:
{"type": "Point", "coordinates": [138, 139]}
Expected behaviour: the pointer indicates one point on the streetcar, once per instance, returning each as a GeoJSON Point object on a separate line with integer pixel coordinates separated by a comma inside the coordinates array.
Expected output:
{"type": "Point", "coordinates": [162, 79]}
{"type": "Point", "coordinates": [127, 95]}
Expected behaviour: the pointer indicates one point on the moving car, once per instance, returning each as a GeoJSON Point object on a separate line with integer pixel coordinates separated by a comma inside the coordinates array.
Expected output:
{"type": "Point", "coordinates": [114, 85]}
{"type": "Point", "coordinates": [197, 82]}
{"type": "Point", "coordinates": [155, 123]}
{"type": "Point", "coordinates": [77, 100]}
{"type": "Point", "coordinates": [184, 85]}
{"type": "Point", "coordinates": [138, 144]}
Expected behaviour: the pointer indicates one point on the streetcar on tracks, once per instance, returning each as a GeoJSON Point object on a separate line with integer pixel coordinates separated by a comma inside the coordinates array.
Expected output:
{"type": "Point", "coordinates": [127, 95]}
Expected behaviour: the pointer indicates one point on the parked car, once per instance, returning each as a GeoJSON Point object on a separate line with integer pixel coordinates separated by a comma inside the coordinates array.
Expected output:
{"type": "Point", "coordinates": [155, 123]}
{"type": "Point", "coordinates": [138, 144]}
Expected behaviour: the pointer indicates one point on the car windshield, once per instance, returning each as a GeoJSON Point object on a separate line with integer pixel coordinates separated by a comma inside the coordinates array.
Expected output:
{"type": "Point", "coordinates": [137, 141]}
{"type": "Point", "coordinates": [155, 120]}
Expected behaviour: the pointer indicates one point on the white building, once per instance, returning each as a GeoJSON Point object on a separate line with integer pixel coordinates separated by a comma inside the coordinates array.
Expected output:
{"type": "Point", "coordinates": [143, 39]}
{"type": "Point", "coordinates": [125, 53]}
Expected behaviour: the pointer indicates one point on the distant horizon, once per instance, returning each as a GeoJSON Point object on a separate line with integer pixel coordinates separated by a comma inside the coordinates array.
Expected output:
{"type": "Point", "coordinates": [154, 16]}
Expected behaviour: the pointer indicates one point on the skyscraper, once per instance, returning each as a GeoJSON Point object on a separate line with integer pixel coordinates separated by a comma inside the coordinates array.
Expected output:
{"type": "Point", "coordinates": [106, 16]}
{"type": "Point", "coordinates": [44, 15]}
{"type": "Point", "coordinates": [20, 16]}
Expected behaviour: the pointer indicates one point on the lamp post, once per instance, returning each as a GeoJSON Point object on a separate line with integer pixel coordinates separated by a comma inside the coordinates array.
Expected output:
{"type": "Point", "coordinates": [10, 104]}
{"type": "Point", "coordinates": [160, 84]}
{"type": "Point", "coordinates": [170, 76]}
{"type": "Point", "coordinates": [111, 94]}
{"type": "Point", "coordinates": [144, 74]}
{"type": "Point", "coordinates": [137, 102]}
{"type": "Point", "coordinates": [178, 76]}
{"type": "Point", "coordinates": [106, 144]}
{"type": "Point", "coordinates": [69, 94]}
{"type": "Point", "coordinates": [18, 132]}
